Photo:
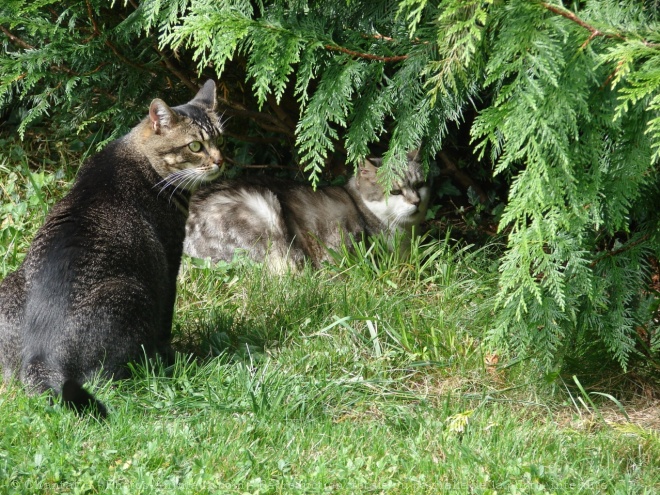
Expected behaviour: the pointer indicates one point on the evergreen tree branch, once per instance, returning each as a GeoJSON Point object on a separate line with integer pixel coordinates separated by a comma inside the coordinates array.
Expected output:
{"type": "Point", "coordinates": [366, 56]}
{"type": "Point", "coordinates": [126, 61]}
{"type": "Point", "coordinates": [90, 14]}
{"type": "Point", "coordinates": [620, 250]}
{"type": "Point", "coordinates": [461, 177]}
{"type": "Point", "coordinates": [594, 31]}
{"type": "Point", "coordinates": [26, 46]}
{"type": "Point", "coordinates": [167, 62]}
{"type": "Point", "coordinates": [15, 39]}
{"type": "Point", "coordinates": [572, 17]}
{"type": "Point", "coordinates": [265, 121]}
{"type": "Point", "coordinates": [272, 166]}
{"type": "Point", "coordinates": [282, 116]}
{"type": "Point", "coordinates": [378, 37]}
{"type": "Point", "coordinates": [96, 32]}
{"type": "Point", "coordinates": [252, 139]}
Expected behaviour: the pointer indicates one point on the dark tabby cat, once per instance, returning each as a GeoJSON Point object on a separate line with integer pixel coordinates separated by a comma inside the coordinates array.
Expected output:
{"type": "Point", "coordinates": [284, 222]}
{"type": "Point", "coordinates": [97, 287]}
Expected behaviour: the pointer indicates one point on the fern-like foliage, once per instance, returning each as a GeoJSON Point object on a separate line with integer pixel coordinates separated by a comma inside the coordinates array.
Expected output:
{"type": "Point", "coordinates": [573, 120]}
{"type": "Point", "coordinates": [357, 71]}
{"type": "Point", "coordinates": [79, 66]}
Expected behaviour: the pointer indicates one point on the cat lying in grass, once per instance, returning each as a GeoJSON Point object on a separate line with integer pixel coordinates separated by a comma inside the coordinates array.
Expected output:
{"type": "Point", "coordinates": [285, 223]}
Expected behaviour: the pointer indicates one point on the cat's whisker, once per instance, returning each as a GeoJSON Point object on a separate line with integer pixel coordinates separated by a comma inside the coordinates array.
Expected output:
{"type": "Point", "coordinates": [392, 219]}
{"type": "Point", "coordinates": [401, 218]}
{"type": "Point", "coordinates": [196, 178]}
{"type": "Point", "coordinates": [166, 183]}
{"type": "Point", "coordinates": [195, 181]}
{"type": "Point", "coordinates": [179, 179]}
{"type": "Point", "coordinates": [187, 181]}
{"type": "Point", "coordinates": [159, 183]}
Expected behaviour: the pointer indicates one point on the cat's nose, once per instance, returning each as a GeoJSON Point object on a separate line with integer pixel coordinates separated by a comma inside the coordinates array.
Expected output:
{"type": "Point", "coordinates": [217, 158]}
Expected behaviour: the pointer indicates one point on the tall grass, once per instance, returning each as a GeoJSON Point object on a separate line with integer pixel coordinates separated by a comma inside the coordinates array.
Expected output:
{"type": "Point", "coordinates": [367, 376]}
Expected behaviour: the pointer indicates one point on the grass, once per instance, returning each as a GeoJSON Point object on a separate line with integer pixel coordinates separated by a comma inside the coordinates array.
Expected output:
{"type": "Point", "coordinates": [368, 376]}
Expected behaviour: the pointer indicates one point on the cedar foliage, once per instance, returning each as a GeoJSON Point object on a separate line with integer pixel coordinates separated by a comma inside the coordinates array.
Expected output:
{"type": "Point", "coordinates": [566, 97]}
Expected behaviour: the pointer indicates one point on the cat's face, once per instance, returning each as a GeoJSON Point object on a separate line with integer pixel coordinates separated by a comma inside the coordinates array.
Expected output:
{"type": "Point", "coordinates": [181, 142]}
{"type": "Point", "coordinates": [406, 203]}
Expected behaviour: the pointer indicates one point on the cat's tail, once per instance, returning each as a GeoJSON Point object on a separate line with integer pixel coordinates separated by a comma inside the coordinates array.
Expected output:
{"type": "Point", "coordinates": [40, 378]}
{"type": "Point", "coordinates": [80, 400]}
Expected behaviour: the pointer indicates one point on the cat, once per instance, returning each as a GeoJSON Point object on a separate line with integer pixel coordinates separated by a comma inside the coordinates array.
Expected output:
{"type": "Point", "coordinates": [96, 289]}
{"type": "Point", "coordinates": [284, 223]}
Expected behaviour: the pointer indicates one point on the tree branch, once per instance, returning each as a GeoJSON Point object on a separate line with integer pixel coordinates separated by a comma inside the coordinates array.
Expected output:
{"type": "Point", "coordinates": [282, 116]}
{"type": "Point", "coordinates": [572, 17]}
{"type": "Point", "coordinates": [367, 56]}
{"type": "Point", "coordinates": [176, 72]}
{"type": "Point", "coordinates": [16, 40]}
{"type": "Point", "coordinates": [263, 120]}
{"type": "Point", "coordinates": [461, 177]}
{"type": "Point", "coordinates": [280, 167]}
{"type": "Point", "coordinates": [90, 14]}
{"type": "Point", "coordinates": [567, 14]}
{"type": "Point", "coordinates": [622, 249]}
{"type": "Point", "coordinates": [252, 139]}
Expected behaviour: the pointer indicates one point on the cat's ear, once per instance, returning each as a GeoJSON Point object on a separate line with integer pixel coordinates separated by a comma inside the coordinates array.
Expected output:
{"type": "Point", "coordinates": [413, 155]}
{"type": "Point", "coordinates": [205, 97]}
{"type": "Point", "coordinates": [367, 169]}
{"type": "Point", "coordinates": [376, 162]}
{"type": "Point", "coordinates": [161, 115]}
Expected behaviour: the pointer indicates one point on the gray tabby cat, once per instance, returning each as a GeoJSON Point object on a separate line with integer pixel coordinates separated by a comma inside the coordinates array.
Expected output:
{"type": "Point", "coordinates": [97, 287]}
{"type": "Point", "coordinates": [285, 222]}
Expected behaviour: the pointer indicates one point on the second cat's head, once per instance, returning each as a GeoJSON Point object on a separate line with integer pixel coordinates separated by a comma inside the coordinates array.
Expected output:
{"type": "Point", "coordinates": [181, 142]}
{"type": "Point", "coordinates": [405, 203]}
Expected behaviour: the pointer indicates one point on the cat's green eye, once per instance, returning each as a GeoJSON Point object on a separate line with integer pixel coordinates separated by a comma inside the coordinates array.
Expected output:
{"type": "Point", "coordinates": [195, 146]}
{"type": "Point", "coordinates": [220, 141]}
{"type": "Point", "coordinates": [395, 192]}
